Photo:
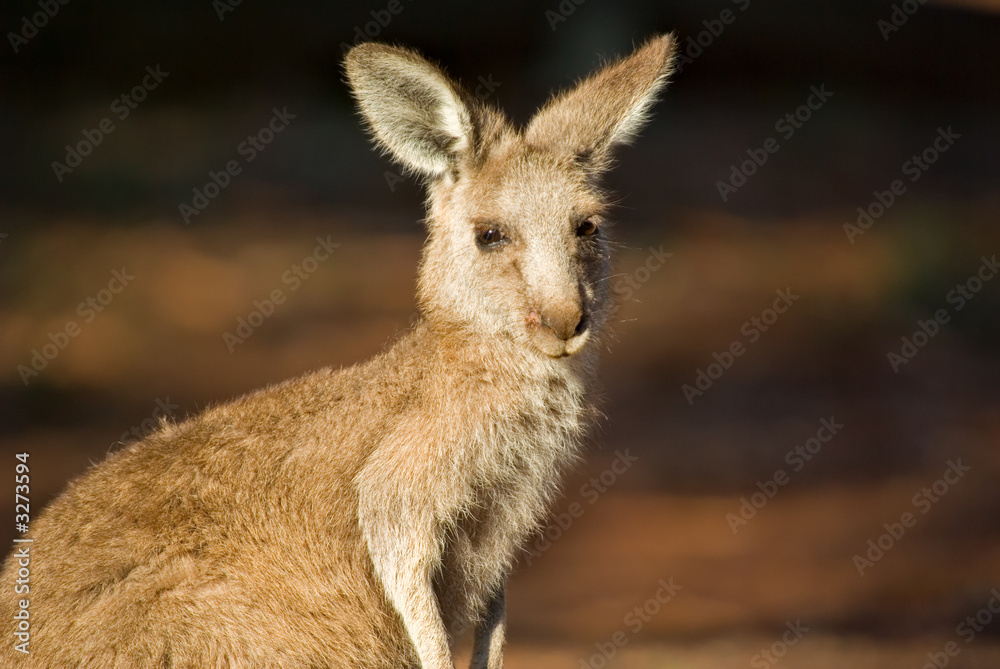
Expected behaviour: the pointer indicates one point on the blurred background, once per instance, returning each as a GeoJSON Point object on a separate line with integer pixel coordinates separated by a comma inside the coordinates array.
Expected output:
{"type": "Point", "coordinates": [190, 209]}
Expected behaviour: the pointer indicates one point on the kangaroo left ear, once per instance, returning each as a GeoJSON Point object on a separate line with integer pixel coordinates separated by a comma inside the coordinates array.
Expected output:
{"type": "Point", "coordinates": [606, 109]}
{"type": "Point", "coordinates": [415, 112]}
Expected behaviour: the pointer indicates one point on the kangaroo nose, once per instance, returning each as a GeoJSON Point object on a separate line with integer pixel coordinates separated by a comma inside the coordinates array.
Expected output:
{"type": "Point", "coordinates": [564, 320]}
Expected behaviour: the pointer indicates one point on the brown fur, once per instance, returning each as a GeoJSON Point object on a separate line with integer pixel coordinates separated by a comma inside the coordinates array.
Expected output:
{"type": "Point", "coordinates": [366, 517]}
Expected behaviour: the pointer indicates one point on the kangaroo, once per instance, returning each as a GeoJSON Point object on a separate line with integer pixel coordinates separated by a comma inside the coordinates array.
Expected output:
{"type": "Point", "coordinates": [368, 516]}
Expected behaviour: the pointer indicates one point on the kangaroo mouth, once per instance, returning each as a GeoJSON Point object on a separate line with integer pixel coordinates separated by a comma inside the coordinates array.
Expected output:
{"type": "Point", "coordinates": [577, 342]}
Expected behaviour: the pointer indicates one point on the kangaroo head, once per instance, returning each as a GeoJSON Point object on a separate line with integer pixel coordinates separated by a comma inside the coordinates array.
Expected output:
{"type": "Point", "coordinates": [517, 243]}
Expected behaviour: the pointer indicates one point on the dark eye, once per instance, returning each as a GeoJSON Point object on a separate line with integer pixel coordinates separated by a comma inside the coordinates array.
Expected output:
{"type": "Point", "coordinates": [489, 237]}
{"type": "Point", "coordinates": [586, 229]}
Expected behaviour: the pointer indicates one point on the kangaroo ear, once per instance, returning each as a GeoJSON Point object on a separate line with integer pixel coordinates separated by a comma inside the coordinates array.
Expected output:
{"type": "Point", "coordinates": [607, 108]}
{"type": "Point", "coordinates": [414, 111]}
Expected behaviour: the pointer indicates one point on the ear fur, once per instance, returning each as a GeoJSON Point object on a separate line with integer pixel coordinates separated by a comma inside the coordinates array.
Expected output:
{"type": "Point", "coordinates": [415, 112]}
{"type": "Point", "coordinates": [607, 108]}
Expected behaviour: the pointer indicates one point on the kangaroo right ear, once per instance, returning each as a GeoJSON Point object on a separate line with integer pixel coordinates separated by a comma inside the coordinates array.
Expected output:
{"type": "Point", "coordinates": [414, 111]}
{"type": "Point", "coordinates": [606, 109]}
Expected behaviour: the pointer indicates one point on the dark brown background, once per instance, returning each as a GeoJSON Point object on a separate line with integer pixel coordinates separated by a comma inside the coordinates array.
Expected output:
{"type": "Point", "coordinates": [665, 516]}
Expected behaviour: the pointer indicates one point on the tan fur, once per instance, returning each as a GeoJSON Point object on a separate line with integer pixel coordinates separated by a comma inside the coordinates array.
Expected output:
{"type": "Point", "coordinates": [366, 517]}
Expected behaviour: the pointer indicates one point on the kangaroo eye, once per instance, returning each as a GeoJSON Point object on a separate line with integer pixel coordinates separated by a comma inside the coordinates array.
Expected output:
{"type": "Point", "coordinates": [586, 229]}
{"type": "Point", "coordinates": [489, 237]}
